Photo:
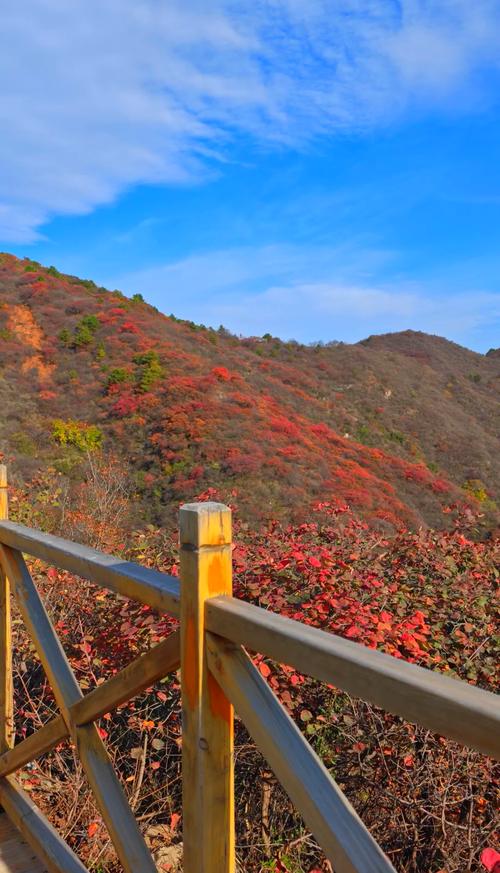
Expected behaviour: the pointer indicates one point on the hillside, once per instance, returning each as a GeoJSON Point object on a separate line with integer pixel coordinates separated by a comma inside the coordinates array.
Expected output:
{"type": "Point", "coordinates": [399, 426]}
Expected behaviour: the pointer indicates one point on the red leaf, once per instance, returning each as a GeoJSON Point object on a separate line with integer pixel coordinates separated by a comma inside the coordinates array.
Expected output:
{"type": "Point", "coordinates": [92, 828]}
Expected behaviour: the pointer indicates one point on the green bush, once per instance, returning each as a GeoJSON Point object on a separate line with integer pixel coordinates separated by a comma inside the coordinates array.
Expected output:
{"type": "Point", "coordinates": [363, 434]}
{"type": "Point", "coordinates": [150, 370]}
{"type": "Point", "coordinates": [396, 436]}
{"type": "Point", "coordinates": [91, 322]}
{"type": "Point", "coordinates": [83, 336]}
{"type": "Point", "coordinates": [84, 437]}
{"type": "Point", "coordinates": [85, 330]}
{"type": "Point", "coordinates": [117, 375]}
{"type": "Point", "coordinates": [65, 337]}
{"type": "Point", "coordinates": [23, 443]}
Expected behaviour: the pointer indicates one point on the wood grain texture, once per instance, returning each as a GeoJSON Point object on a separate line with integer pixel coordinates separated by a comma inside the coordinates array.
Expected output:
{"type": "Point", "coordinates": [49, 847]}
{"type": "Point", "coordinates": [157, 590]}
{"type": "Point", "coordinates": [449, 707]}
{"type": "Point", "coordinates": [327, 812]}
{"type": "Point", "coordinates": [135, 677]}
{"type": "Point", "coordinates": [16, 855]}
{"type": "Point", "coordinates": [6, 685]}
{"type": "Point", "coordinates": [207, 715]}
{"type": "Point", "coordinates": [123, 830]}
{"type": "Point", "coordinates": [43, 740]}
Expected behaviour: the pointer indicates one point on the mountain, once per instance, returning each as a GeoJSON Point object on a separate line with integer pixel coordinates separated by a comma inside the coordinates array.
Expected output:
{"type": "Point", "coordinates": [399, 426]}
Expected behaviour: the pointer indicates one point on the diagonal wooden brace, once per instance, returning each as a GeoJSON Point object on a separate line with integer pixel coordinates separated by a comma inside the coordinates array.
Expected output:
{"type": "Point", "coordinates": [122, 826]}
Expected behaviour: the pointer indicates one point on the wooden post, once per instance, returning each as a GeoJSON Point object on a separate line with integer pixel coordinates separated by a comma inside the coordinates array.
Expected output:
{"type": "Point", "coordinates": [207, 715]}
{"type": "Point", "coordinates": [6, 689]}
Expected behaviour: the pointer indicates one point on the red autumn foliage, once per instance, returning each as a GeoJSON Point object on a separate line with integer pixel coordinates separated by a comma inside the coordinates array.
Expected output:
{"type": "Point", "coordinates": [430, 597]}
{"type": "Point", "coordinates": [305, 423]}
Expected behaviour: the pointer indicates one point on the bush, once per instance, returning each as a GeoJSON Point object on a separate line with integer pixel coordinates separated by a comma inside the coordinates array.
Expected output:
{"type": "Point", "coordinates": [84, 437]}
{"type": "Point", "coordinates": [85, 330]}
{"type": "Point", "coordinates": [23, 443]}
{"type": "Point", "coordinates": [65, 337]}
{"type": "Point", "coordinates": [150, 370]}
{"type": "Point", "coordinates": [117, 375]}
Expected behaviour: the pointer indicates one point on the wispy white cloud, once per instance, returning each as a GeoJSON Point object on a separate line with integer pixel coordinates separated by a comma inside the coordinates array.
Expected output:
{"type": "Point", "coordinates": [100, 95]}
{"type": "Point", "coordinates": [314, 293]}
{"type": "Point", "coordinates": [350, 312]}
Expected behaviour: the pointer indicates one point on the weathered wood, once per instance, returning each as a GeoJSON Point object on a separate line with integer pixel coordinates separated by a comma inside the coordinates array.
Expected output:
{"type": "Point", "coordinates": [43, 740]}
{"type": "Point", "coordinates": [327, 812]}
{"type": "Point", "coordinates": [37, 831]}
{"type": "Point", "coordinates": [147, 586]}
{"type": "Point", "coordinates": [6, 686]}
{"type": "Point", "coordinates": [449, 707]}
{"type": "Point", "coordinates": [122, 826]}
{"type": "Point", "coordinates": [133, 679]}
{"type": "Point", "coordinates": [207, 715]}
{"type": "Point", "coordinates": [16, 856]}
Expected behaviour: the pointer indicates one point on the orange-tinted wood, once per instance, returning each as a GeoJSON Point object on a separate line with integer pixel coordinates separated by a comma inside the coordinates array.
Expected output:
{"type": "Point", "coordinates": [207, 715]}
{"type": "Point", "coordinates": [6, 690]}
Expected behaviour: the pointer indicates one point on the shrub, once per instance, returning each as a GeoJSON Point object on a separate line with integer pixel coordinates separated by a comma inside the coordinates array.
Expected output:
{"type": "Point", "coordinates": [85, 330]}
{"type": "Point", "coordinates": [23, 443]}
{"type": "Point", "coordinates": [83, 336]}
{"type": "Point", "coordinates": [150, 369]}
{"type": "Point", "coordinates": [396, 436]}
{"type": "Point", "coordinates": [65, 337]}
{"type": "Point", "coordinates": [84, 437]}
{"type": "Point", "coordinates": [477, 489]}
{"type": "Point", "coordinates": [117, 375]}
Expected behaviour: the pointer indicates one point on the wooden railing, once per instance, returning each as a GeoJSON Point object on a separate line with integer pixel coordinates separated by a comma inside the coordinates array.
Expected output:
{"type": "Point", "coordinates": [216, 673]}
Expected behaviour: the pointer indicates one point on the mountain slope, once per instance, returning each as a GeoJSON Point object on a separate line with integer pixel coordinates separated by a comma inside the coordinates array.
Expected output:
{"type": "Point", "coordinates": [396, 425]}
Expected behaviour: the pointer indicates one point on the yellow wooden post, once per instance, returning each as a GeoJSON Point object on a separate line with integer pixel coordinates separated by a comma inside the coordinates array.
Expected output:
{"type": "Point", "coordinates": [207, 715]}
{"type": "Point", "coordinates": [6, 690]}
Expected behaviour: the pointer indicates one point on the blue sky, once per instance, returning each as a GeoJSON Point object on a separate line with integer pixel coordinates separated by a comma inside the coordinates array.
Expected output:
{"type": "Point", "coordinates": [318, 170]}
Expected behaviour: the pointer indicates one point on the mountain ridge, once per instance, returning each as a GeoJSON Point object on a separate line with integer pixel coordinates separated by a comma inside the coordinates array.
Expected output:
{"type": "Point", "coordinates": [398, 425]}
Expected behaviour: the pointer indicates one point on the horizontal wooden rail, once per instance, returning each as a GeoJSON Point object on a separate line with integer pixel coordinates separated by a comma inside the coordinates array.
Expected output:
{"type": "Point", "coordinates": [449, 707]}
{"type": "Point", "coordinates": [155, 589]}
{"type": "Point", "coordinates": [335, 824]}
{"type": "Point", "coordinates": [216, 673]}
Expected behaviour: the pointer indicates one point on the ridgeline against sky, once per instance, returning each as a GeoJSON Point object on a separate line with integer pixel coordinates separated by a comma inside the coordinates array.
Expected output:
{"type": "Point", "coordinates": [315, 170]}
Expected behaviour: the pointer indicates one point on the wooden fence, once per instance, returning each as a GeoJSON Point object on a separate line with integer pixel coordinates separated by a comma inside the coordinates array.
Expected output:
{"type": "Point", "coordinates": [216, 674]}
